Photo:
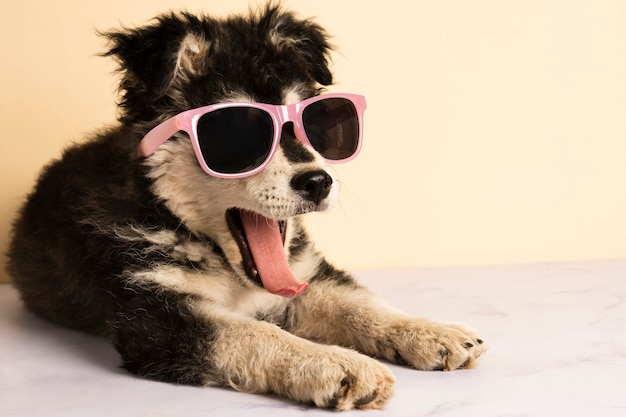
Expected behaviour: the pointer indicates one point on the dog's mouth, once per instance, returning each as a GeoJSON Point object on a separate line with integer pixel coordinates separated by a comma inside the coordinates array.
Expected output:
{"type": "Point", "coordinates": [261, 243]}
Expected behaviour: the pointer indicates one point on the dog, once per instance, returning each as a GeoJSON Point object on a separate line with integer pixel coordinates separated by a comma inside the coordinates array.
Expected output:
{"type": "Point", "coordinates": [177, 235]}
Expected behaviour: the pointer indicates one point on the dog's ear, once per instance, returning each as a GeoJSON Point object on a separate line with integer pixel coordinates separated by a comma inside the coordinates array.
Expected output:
{"type": "Point", "coordinates": [155, 57]}
{"type": "Point", "coordinates": [304, 39]}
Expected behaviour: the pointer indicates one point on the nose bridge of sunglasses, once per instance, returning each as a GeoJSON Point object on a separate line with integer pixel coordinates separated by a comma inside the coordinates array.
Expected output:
{"type": "Point", "coordinates": [289, 121]}
{"type": "Point", "coordinates": [290, 115]}
{"type": "Point", "coordinates": [286, 113]}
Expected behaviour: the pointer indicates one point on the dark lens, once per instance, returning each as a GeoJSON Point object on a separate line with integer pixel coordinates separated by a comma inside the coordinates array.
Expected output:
{"type": "Point", "coordinates": [235, 139]}
{"type": "Point", "coordinates": [332, 127]}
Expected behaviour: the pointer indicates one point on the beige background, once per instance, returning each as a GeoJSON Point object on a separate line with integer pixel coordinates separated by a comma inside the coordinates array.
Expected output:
{"type": "Point", "coordinates": [495, 133]}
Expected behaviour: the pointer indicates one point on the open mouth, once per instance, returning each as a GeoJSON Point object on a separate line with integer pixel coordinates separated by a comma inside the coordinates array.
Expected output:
{"type": "Point", "coordinates": [261, 242]}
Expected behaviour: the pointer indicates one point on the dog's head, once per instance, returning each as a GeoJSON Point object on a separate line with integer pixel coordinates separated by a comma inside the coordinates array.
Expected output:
{"type": "Point", "coordinates": [182, 62]}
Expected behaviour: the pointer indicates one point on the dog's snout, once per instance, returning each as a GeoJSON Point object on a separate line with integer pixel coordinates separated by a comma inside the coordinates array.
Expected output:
{"type": "Point", "coordinates": [313, 185]}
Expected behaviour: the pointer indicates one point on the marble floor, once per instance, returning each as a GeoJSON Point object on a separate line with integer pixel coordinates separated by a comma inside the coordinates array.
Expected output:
{"type": "Point", "coordinates": [556, 334]}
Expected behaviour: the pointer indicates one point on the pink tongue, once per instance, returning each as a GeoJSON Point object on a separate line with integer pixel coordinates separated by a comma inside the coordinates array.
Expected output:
{"type": "Point", "coordinates": [266, 245]}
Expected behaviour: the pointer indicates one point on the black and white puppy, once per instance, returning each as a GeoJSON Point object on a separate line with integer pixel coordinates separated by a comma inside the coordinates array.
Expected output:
{"type": "Point", "coordinates": [181, 269]}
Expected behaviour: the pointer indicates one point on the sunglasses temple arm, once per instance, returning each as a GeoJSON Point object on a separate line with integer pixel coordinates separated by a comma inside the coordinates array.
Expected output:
{"type": "Point", "coordinates": [156, 137]}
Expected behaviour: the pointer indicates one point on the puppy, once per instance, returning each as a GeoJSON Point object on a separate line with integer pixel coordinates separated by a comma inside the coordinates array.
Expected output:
{"type": "Point", "coordinates": [177, 233]}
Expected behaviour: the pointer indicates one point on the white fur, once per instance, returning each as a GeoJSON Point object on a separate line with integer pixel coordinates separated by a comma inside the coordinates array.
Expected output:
{"type": "Point", "coordinates": [294, 94]}
{"type": "Point", "coordinates": [218, 288]}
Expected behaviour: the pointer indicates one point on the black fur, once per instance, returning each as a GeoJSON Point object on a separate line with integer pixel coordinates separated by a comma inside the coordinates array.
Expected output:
{"type": "Point", "coordinates": [293, 148]}
{"type": "Point", "coordinates": [179, 341]}
{"type": "Point", "coordinates": [239, 54]}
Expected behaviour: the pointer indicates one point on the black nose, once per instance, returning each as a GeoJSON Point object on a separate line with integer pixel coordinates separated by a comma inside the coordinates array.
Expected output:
{"type": "Point", "coordinates": [313, 185]}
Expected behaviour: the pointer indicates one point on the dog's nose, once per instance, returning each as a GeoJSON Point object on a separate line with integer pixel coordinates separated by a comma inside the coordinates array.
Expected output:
{"type": "Point", "coordinates": [313, 185]}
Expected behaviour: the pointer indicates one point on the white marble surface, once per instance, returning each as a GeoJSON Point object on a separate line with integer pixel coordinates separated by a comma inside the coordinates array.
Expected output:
{"type": "Point", "coordinates": [557, 337]}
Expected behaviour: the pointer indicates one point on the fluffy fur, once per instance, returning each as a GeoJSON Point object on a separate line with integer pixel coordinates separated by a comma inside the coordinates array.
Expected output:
{"type": "Point", "coordinates": [139, 250]}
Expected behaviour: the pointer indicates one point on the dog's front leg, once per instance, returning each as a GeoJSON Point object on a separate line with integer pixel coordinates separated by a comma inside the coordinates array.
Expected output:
{"type": "Point", "coordinates": [191, 341]}
{"type": "Point", "coordinates": [258, 357]}
{"type": "Point", "coordinates": [336, 310]}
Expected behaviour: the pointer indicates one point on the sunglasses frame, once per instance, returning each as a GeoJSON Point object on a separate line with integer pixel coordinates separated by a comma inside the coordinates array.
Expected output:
{"type": "Point", "coordinates": [187, 121]}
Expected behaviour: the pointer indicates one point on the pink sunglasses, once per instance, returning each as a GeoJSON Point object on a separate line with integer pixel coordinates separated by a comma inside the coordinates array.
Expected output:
{"type": "Point", "coordinates": [234, 140]}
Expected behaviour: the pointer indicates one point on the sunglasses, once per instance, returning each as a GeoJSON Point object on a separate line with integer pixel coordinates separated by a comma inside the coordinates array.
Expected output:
{"type": "Point", "coordinates": [234, 140]}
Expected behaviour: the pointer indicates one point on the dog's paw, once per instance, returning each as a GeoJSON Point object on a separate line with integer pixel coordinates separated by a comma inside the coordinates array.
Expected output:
{"type": "Point", "coordinates": [367, 387]}
{"type": "Point", "coordinates": [433, 346]}
{"type": "Point", "coordinates": [345, 380]}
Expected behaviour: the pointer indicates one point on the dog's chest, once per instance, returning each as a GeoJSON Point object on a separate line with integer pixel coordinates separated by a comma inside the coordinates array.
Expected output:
{"type": "Point", "coordinates": [198, 267]}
